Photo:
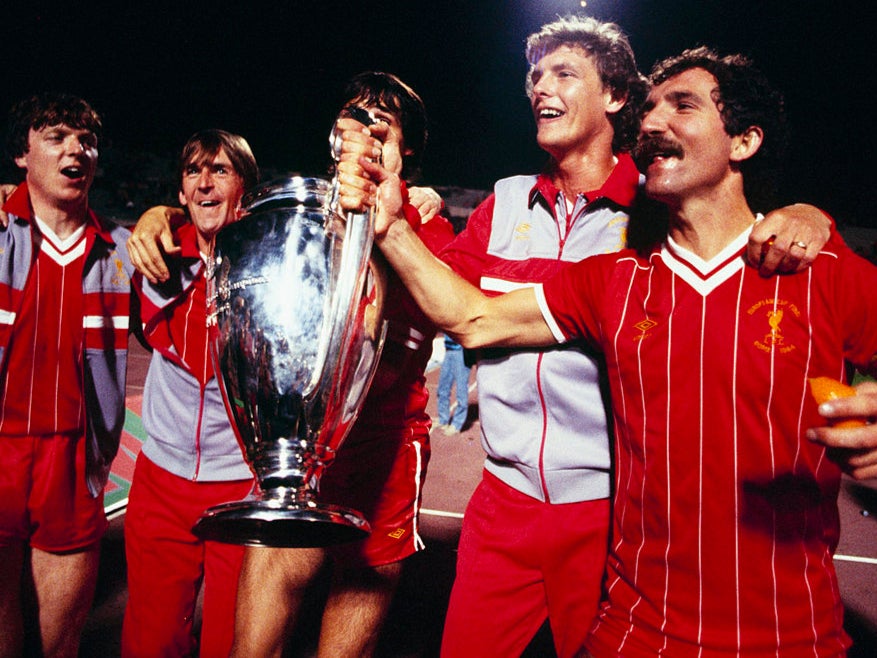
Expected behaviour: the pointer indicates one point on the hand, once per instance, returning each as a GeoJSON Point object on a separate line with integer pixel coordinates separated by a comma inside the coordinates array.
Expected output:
{"type": "Point", "coordinates": [853, 449]}
{"type": "Point", "coordinates": [788, 239]}
{"type": "Point", "coordinates": [152, 241]}
{"type": "Point", "coordinates": [6, 191]}
{"type": "Point", "coordinates": [352, 141]}
{"type": "Point", "coordinates": [426, 200]}
{"type": "Point", "coordinates": [387, 197]}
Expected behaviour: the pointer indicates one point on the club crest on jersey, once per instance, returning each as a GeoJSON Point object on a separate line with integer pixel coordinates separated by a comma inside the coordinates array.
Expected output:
{"type": "Point", "coordinates": [773, 311]}
{"type": "Point", "coordinates": [398, 533]}
{"type": "Point", "coordinates": [119, 277]}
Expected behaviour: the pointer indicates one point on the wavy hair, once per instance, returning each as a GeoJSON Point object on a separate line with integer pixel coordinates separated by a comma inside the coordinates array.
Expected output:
{"type": "Point", "coordinates": [744, 98]}
{"type": "Point", "coordinates": [613, 58]}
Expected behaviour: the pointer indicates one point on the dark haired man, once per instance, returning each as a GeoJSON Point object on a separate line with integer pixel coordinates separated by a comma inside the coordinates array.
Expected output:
{"type": "Point", "coordinates": [535, 533]}
{"type": "Point", "coordinates": [191, 459]}
{"type": "Point", "coordinates": [381, 466]}
{"type": "Point", "coordinates": [64, 306]}
{"type": "Point", "coordinates": [724, 515]}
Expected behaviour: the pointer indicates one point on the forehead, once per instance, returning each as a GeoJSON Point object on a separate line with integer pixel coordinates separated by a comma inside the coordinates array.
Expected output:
{"type": "Point", "coordinates": [695, 82]}
{"type": "Point", "coordinates": [60, 127]}
{"type": "Point", "coordinates": [201, 156]}
{"type": "Point", "coordinates": [570, 56]}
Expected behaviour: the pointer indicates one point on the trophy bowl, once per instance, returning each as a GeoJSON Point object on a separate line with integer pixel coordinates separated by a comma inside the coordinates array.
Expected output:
{"type": "Point", "coordinates": [296, 331]}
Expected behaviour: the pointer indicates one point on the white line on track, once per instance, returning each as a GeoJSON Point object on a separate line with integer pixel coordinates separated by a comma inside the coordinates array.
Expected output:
{"type": "Point", "coordinates": [856, 558]}
{"type": "Point", "coordinates": [447, 515]}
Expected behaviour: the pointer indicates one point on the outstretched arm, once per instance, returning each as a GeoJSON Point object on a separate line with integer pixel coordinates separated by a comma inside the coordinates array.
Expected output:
{"type": "Point", "coordinates": [853, 448]}
{"type": "Point", "coordinates": [454, 305]}
{"type": "Point", "coordinates": [788, 239]}
{"type": "Point", "coordinates": [152, 241]}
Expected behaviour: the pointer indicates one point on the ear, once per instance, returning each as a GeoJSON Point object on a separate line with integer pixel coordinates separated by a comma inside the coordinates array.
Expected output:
{"type": "Point", "coordinates": [746, 144]}
{"type": "Point", "coordinates": [614, 105]}
{"type": "Point", "coordinates": [21, 162]}
{"type": "Point", "coordinates": [182, 198]}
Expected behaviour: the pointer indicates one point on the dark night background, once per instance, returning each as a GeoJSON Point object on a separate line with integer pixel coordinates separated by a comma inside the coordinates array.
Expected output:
{"type": "Point", "coordinates": [273, 71]}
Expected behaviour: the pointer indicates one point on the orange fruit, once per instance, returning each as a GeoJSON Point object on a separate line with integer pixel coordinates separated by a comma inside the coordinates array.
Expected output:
{"type": "Point", "coordinates": [824, 389]}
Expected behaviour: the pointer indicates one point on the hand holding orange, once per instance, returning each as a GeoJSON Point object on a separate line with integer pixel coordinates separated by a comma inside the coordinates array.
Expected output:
{"type": "Point", "coordinates": [825, 389]}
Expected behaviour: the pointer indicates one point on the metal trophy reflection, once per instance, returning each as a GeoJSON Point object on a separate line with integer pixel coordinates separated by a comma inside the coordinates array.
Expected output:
{"type": "Point", "coordinates": [296, 330]}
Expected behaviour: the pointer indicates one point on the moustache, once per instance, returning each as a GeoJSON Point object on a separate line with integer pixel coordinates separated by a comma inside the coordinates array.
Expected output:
{"type": "Point", "coordinates": [648, 147]}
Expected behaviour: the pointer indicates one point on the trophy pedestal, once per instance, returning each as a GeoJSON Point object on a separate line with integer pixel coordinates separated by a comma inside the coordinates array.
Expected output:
{"type": "Point", "coordinates": [302, 524]}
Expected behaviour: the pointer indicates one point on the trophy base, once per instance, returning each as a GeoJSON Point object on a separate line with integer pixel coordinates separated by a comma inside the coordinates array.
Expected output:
{"type": "Point", "coordinates": [294, 525]}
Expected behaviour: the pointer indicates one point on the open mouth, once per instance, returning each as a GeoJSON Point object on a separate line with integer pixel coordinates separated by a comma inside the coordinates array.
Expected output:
{"type": "Point", "coordinates": [73, 173]}
{"type": "Point", "coordinates": [208, 203]}
{"type": "Point", "coordinates": [549, 113]}
{"type": "Point", "coordinates": [648, 151]}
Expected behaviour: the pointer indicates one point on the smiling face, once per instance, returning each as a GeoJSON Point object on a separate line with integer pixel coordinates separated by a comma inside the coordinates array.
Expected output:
{"type": "Point", "coordinates": [211, 190]}
{"type": "Point", "coordinates": [570, 103]}
{"type": "Point", "coordinates": [59, 162]}
{"type": "Point", "coordinates": [684, 148]}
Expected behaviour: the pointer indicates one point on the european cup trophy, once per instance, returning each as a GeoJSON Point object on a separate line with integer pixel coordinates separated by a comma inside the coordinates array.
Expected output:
{"type": "Point", "coordinates": [296, 333]}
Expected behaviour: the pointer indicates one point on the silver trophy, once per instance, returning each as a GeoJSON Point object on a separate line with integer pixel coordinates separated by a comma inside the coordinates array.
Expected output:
{"type": "Point", "coordinates": [296, 332]}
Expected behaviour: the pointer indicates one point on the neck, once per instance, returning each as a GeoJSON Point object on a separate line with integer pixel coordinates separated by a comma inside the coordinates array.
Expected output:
{"type": "Point", "coordinates": [63, 219]}
{"type": "Point", "coordinates": [705, 225]}
{"type": "Point", "coordinates": [205, 243]}
{"type": "Point", "coordinates": [583, 170]}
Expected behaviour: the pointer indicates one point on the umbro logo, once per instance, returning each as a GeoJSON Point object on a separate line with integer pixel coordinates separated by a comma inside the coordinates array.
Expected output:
{"type": "Point", "coordinates": [644, 326]}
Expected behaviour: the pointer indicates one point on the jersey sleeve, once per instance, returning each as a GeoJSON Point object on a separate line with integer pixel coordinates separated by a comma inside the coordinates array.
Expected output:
{"type": "Point", "coordinates": [853, 291]}
{"type": "Point", "coordinates": [466, 255]}
{"type": "Point", "coordinates": [436, 234]}
{"type": "Point", "coordinates": [571, 299]}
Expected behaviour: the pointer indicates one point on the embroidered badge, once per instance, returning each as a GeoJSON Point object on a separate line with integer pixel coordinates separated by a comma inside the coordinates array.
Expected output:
{"type": "Point", "coordinates": [522, 231]}
{"type": "Point", "coordinates": [398, 533]}
{"type": "Point", "coordinates": [119, 278]}
{"type": "Point", "coordinates": [774, 311]}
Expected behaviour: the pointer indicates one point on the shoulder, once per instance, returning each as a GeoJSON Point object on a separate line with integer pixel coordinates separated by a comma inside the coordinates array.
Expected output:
{"type": "Point", "coordinates": [436, 233]}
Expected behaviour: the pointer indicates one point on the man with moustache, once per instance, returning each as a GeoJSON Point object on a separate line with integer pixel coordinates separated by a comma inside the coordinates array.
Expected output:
{"type": "Point", "coordinates": [535, 533]}
{"type": "Point", "coordinates": [725, 514]}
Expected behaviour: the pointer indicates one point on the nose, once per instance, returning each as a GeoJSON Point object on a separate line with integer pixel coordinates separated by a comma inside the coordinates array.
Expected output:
{"type": "Point", "coordinates": [74, 145]}
{"type": "Point", "coordinates": [205, 178]}
{"type": "Point", "coordinates": [541, 86]}
{"type": "Point", "coordinates": [653, 121]}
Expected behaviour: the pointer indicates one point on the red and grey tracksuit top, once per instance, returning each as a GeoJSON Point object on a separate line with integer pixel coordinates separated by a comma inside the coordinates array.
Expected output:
{"type": "Point", "coordinates": [543, 418]}
{"type": "Point", "coordinates": [106, 288]}
{"type": "Point", "coordinates": [188, 430]}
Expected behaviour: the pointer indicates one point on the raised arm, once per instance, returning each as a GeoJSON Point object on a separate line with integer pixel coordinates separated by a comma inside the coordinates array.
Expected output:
{"type": "Point", "coordinates": [454, 305]}
{"type": "Point", "coordinates": [152, 241]}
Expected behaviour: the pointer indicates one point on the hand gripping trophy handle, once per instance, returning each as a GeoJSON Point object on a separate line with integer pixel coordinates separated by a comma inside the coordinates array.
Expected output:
{"type": "Point", "coordinates": [296, 329]}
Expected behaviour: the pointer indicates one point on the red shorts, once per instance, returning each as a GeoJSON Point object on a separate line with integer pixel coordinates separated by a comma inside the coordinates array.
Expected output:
{"type": "Point", "coordinates": [380, 474]}
{"type": "Point", "coordinates": [44, 498]}
{"type": "Point", "coordinates": [521, 561]}
{"type": "Point", "coordinates": [167, 564]}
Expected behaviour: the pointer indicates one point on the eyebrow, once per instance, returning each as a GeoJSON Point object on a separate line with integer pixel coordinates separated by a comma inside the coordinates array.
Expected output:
{"type": "Point", "coordinates": [675, 97]}
{"type": "Point", "coordinates": [684, 95]}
